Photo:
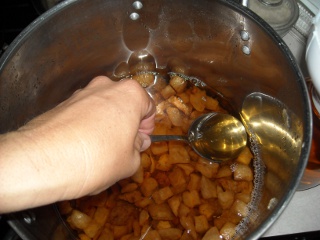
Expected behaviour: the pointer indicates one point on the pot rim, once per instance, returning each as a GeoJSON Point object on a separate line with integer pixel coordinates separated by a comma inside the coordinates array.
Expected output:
{"type": "Point", "coordinates": [307, 137]}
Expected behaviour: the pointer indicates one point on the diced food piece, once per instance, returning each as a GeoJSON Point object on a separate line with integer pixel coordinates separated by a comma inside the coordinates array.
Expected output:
{"type": "Point", "coordinates": [198, 99]}
{"type": "Point", "coordinates": [177, 177]}
{"type": "Point", "coordinates": [224, 171]}
{"type": "Point", "coordinates": [245, 156]}
{"type": "Point", "coordinates": [178, 103]}
{"type": "Point", "coordinates": [206, 168]}
{"type": "Point", "coordinates": [143, 217]}
{"type": "Point", "coordinates": [101, 215]}
{"type": "Point", "coordinates": [148, 186]}
{"type": "Point", "coordinates": [211, 103]}
{"type": "Point", "coordinates": [170, 233]}
{"type": "Point", "coordinates": [191, 198]}
{"type": "Point", "coordinates": [159, 148]}
{"type": "Point", "coordinates": [240, 208]}
{"type": "Point", "coordinates": [174, 203]}
{"type": "Point", "coordinates": [162, 195]}
{"type": "Point", "coordinates": [175, 116]}
{"type": "Point", "coordinates": [187, 223]}
{"type": "Point", "coordinates": [212, 234]}
{"type": "Point", "coordinates": [228, 230]}
{"type": "Point", "coordinates": [194, 183]}
{"type": "Point", "coordinates": [145, 79]}
{"type": "Point", "coordinates": [79, 219]}
{"type": "Point", "coordinates": [167, 92]}
{"type": "Point", "coordinates": [178, 84]}
{"type": "Point", "coordinates": [163, 225]}
{"type": "Point", "coordinates": [145, 160]}
{"type": "Point", "coordinates": [138, 176]}
{"type": "Point", "coordinates": [243, 172]}
{"type": "Point", "coordinates": [164, 163]}
{"type": "Point", "coordinates": [209, 210]}
{"type": "Point", "coordinates": [201, 224]}
{"type": "Point", "coordinates": [178, 153]}
{"type": "Point", "coordinates": [226, 199]}
{"type": "Point", "coordinates": [152, 235]}
{"type": "Point", "coordinates": [208, 188]}
{"type": "Point", "coordinates": [161, 212]}
{"type": "Point", "coordinates": [175, 193]}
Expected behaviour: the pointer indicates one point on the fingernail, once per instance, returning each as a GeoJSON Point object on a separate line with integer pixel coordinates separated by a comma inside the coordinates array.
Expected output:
{"type": "Point", "coordinates": [146, 142]}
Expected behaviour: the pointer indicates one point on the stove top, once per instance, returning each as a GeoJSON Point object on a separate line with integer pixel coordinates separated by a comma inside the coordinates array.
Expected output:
{"type": "Point", "coordinates": [15, 15]}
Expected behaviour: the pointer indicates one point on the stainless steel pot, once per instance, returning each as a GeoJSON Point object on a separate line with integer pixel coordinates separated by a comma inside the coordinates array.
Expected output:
{"type": "Point", "coordinates": [225, 44]}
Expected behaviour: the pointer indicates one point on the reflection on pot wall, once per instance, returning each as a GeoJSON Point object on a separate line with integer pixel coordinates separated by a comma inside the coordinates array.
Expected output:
{"type": "Point", "coordinates": [275, 137]}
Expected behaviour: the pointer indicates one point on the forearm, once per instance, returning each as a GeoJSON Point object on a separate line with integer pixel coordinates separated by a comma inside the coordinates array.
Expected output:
{"type": "Point", "coordinates": [30, 175]}
{"type": "Point", "coordinates": [45, 165]}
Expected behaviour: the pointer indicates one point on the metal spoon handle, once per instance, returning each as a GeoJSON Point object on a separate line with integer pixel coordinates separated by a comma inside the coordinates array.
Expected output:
{"type": "Point", "coordinates": [160, 138]}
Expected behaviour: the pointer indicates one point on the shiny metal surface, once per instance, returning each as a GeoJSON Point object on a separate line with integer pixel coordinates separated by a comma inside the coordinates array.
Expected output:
{"type": "Point", "coordinates": [77, 40]}
{"type": "Point", "coordinates": [214, 136]}
{"type": "Point", "coordinates": [278, 132]}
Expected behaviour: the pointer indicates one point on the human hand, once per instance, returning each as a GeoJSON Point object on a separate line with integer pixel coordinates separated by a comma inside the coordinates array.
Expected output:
{"type": "Point", "coordinates": [90, 141]}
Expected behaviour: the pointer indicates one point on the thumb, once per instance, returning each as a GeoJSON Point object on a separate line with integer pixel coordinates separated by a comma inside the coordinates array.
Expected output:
{"type": "Point", "coordinates": [145, 141]}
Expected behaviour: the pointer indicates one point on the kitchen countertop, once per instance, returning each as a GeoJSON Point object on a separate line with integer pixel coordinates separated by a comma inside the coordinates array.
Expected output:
{"type": "Point", "coordinates": [301, 215]}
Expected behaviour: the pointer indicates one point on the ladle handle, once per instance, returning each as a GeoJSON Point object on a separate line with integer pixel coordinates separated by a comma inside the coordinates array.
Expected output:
{"type": "Point", "coordinates": [160, 138]}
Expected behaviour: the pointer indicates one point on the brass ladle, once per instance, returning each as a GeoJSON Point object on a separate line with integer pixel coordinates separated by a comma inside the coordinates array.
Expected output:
{"type": "Point", "coordinates": [215, 136]}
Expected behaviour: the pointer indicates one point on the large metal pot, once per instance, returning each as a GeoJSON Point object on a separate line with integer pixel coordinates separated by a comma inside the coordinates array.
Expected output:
{"type": "Point", "coordinates": [226, 45]}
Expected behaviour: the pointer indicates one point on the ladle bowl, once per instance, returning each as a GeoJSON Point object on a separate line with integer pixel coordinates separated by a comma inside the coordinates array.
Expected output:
{"type": "Point", "coordinates": [214, 136]}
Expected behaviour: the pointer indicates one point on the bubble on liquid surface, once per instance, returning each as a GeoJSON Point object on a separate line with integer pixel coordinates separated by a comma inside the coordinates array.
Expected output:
{"type": "Point", "coordinates": [259, 171]}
